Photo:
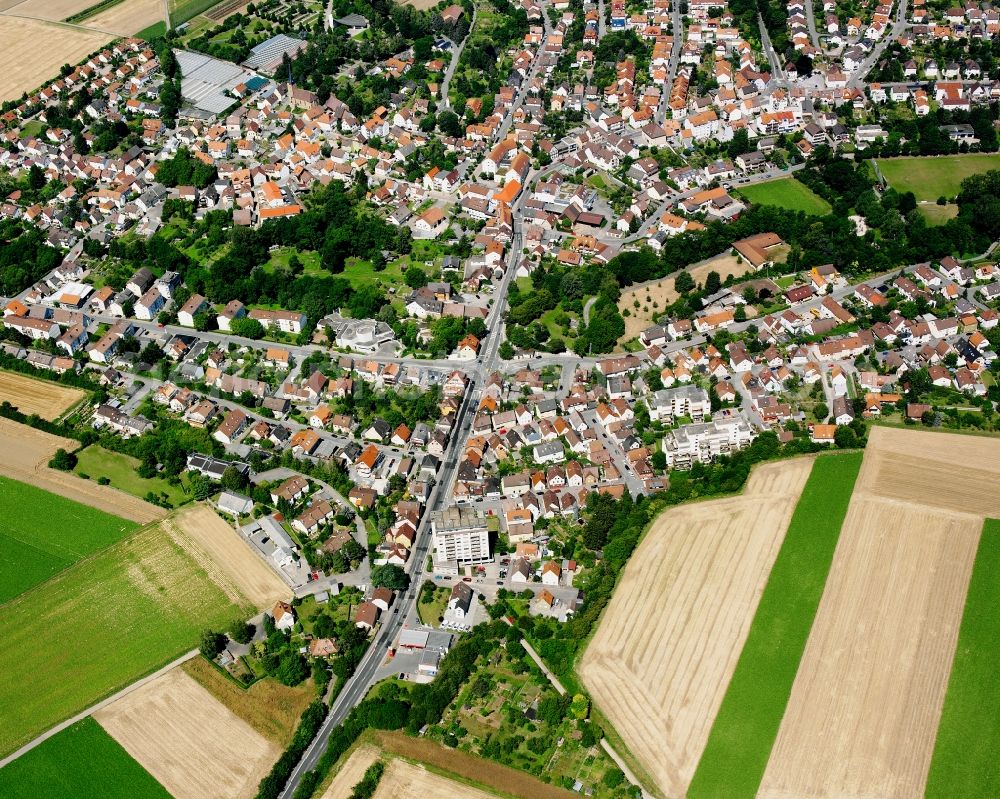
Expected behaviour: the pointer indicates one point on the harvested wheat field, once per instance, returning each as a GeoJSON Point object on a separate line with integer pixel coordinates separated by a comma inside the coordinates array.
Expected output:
{"type": "Point", "coordinates": [665, 650]}
{"type": "Point", "coordinates": [25, 455]}
{"type": "Point", "coordinates": [53, 10]}
{"type": "Point", "coordinates": [187, 740]}
{"type": "Point", "coordinates": [48, 400]}
{"type": "Point", "coordinates": [351, 772]}
{"type": "Point", "coordinates": [403, 780]}
{"type": "Point", "coordinates": [31, 52]}
{"type": "Point", "coordinates": [226, 557]}
{"type": "Point", "coordinates": [663, 294]}
{"type": "Point", "coordinates": [863, 713]}
{"type": "Point", "coordinates": [127, 17]}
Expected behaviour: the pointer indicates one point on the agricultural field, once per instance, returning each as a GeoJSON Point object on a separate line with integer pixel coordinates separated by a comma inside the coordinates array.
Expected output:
{"type": "Point", "coordinates": [52, 10]}
{"type": "Point", "coordinates": [785, 193]}
{"type": "Point", "coordinates": [654, 297]}
{"type": "Point", "coordinates": [350, 772]}
{"type": "Point", "coordinates": [82, 760]}
{"type": "Point", "coordinates": [667, 645]}
{"type": "Point", "coordinates": [127, 17]}
{"type": "Point", "coordinates": [189, 741]}
{"type": "Point", "coordinates": [938, 176]}
{"type": "Point", "coordinates": [864, 710]}
{"type": "Point", "coordinates": [41, 534]}
{"type": "Point", "coordinates": [965, 765]}
{"type": "Point", "coordinates": [122, 470]}
{"type": "Point", "coordinates": [270, 708]}
{"type": "Point", "coordinates": [225, 556]}
{"type": "Point", "coordinates": [25, 458]}
{"type": "Point", "coordinates": [183, 10]}
{"type": "Point", "coordinates": [26, 66]}
{"type": "Point", "coordinates": [104, 623]}
{"type": "Point", "coordinates": [737, 749]}
{"type": "Point", "coordinates": [48, 400]}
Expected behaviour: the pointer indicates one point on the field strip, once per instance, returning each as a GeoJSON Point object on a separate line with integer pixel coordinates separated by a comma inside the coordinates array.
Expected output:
{"type": "Point", "coordinates": [737, 749]}
{"type": "Point", "coordinates": [188, 740]}
{"type": "Point", "coordinates": [25, 459]}
{"type": "Point", "coordinates": [49, 400]}
{"type": "Point", "coordinates": [350, 773]}
{"type": "Point", "coordinates": [659, 662]}
{"type": "Point", "coordinates": [965, 764]}
{"type": "Point", "coordinates": [864, 709]}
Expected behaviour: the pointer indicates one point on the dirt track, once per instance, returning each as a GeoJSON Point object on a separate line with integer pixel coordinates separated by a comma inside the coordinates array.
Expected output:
{"type": "Point", "coordinates": [864, 709]}
{"type": "Point", "coordinates": [48, 400]}
{"type": "Point", "coordinates": [24, 456]}
{"type": "Point", "coordinates": [667, 645]}
{"type": "Point", "coordinates": [192, 744]}
{"type": "Point", "coordinates": [229, 559]}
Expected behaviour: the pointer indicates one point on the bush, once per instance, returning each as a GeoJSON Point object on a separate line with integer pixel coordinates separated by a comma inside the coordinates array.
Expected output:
{"type": "Point", "coordinates": [63, 460]}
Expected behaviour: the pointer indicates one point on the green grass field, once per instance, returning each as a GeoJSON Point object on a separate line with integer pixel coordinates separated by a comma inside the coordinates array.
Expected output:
{"type": "Point", "coordinates": [786, 193]}
{"type": "Point", "coordinates": [95, 462]}
{"type": "Point", "coordinates": [183, 10]}
{"type": "Point", "coordinates": [740, 742]}
{"type": "Point", "coordinates": [99, 626]}
{"type": "Point", "coordinates": [965, 763]}
{"type": "Point", "coordinates": [154, 31]}
{"type": "Point", "coordinates": [937, 214]}
{"type": "Point", "coordinates": [932, 177]}
{"type": "Point", "coordinates": [82, 760]}
{"type": "Point", "coordinates": [41, 534]}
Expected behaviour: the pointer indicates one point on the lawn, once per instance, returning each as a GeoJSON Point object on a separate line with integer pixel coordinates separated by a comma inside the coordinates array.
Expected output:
{"type": "Point", "coordinates": [99, 626]}
{"type": "Point", "coordinates": [431, 612]}
{"type": "Point", "coordinates": [937, 214]}
{"type": "Point", "coordinates": [95, 462]}
{"type": "Point", "coordinates": [965, 762]}
{"type": "Point", "coordinates": [82, 760]}
{"type": "Point", "coordinates": [41, 534]}
{"type": "Point", "coordinates": [740, 742]}
{"type": "Point", "coordinates": [935, 176]}
{"type": "Point", "coordinates": [786, 193]}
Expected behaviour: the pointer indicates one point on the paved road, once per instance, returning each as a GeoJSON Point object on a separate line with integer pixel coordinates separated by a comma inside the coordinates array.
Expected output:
{"type": "Point", "coordinates": [898, 28]}
{"type": "Point", "coordinates": [456, 54]}
{"type": "Point", "coordinates": [94, 708]}
{"type": "Point", "coordinates": [811, 23]}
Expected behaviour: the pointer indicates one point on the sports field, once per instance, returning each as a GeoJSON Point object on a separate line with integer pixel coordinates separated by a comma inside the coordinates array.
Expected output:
{"type": "Point", "coordinates": [101, 625]}
{"type": "Point", "coordinates": [41, 534]}
{"type": "Point", "coordinates": [738, 747]}
{"type": "Point", "coordinates": [48, 400]}
{"type": "Point", "coordinates": [785, 193]}
{"type": "Point", "coordinates": [935, 176]}
{"type": "Point", "coordinates": [81, 761]}
{"type": "Point", "coordinates": [188, 740]}
{"type": "Point", "coordinates": [965, 763]}
{"type": "Point", "coordinates": [667, 645]}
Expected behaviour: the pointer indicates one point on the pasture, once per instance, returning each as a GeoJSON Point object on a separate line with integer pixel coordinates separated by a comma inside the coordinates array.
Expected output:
{"type": "Point", "coordinates": [26, 66]}
{"type": "Point", "coordinates": [737, 749]}
{"type": "Point", "coordinates": [189, 741]}
{"type": "Point", "coordinates": [82, 760]}
{"type": "Point", "coordinates": [102, 624]}
{"type": "Point", "coordinates": [48, 400]}
{"type": "Point", "coordinates": [935, 176]}
{"type": "Point", "coordinates": [864, 710]}
{"type": "Point", "coordinates": [965, 763]}
{"type": "Point", "coordinates": [41, 534]}
{"type": "Point", "coordinates": [665, 650]}
{"type": "Point", "coordinates": [787, 193]}
{"type": "Point", "coordinates": [25, 458]}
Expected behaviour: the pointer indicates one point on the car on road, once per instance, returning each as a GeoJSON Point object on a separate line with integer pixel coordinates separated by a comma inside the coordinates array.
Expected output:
{"type": "Point", "coordinates": [466, 579]}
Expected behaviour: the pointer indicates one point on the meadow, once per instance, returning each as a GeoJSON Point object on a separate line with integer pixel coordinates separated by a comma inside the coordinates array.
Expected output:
{"type": "Point", "coordinates": [965, 763]}
{"type": "Point", "coordinates": [122, 471]}
{"type": "Point", "coordinates": [82, 760]}
{"type": "Point", "coordinates": [102, 624]}
{"type": "Point", "coordinates": [740, 742]}
{"type": "Point", "coordinates": [933, 177]}
{"type": "Point", "coordinates": [786, 193]}
{"type": "Point", "coordinates": [41, 534]}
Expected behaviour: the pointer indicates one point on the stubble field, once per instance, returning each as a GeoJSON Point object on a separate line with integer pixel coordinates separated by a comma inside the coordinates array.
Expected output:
{"type": "Point", "coordinates": [32, 51]}
{"type": "Point", "coordinates": [189, 741]}
{"type": "Point", "coordinates": [864, 710]}
{"type": "Point", "coordinates": [128, 17]}
{"type": "Point", "coordinates": [25, 455]}
{"type": "Point", "coordinates": [48, 400]}
{"type": "Point", "coordinates": [666, 648]}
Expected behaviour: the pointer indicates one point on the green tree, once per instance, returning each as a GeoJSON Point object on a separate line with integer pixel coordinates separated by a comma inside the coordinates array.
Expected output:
{"type": "Point", "coordinates": [390, 576]}
{"type": "Point", "coordinates": [683, 283]}
{"type": "Point", "coordinates": [212, 643]}
{"type": "Point", "coordinates": [246, 328]}
{"type": "Point", "coordinates": [63, 460]}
